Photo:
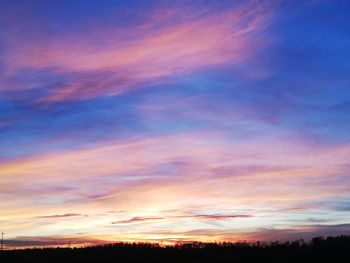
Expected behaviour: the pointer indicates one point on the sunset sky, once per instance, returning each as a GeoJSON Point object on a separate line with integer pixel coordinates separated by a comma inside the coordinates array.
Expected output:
{"type": "Point", "coordinates": [168, 121]}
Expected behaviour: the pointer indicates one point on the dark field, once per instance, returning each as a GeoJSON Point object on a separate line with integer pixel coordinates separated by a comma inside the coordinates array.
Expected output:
{"type": "Point", "coordinates": [330, 249]}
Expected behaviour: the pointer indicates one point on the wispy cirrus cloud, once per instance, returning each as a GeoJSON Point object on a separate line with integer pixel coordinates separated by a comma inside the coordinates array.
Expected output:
{"type": "Point", "coordinates": [221, 216]}
{"type": "Point", "coordinates": [210, 217]}
{"type": "Point", "coordinates": [60, 216]}
{"type": "Point", "coordinates": [200, 177]}
{"type": "Point", "coordinates": [138, 55]}
{"type": "Point", "coordinates": [225, 123]}
{"type": "Point", "coordinates": [192, 154]}
{"type": "Point", "coordinates": [137, 219]}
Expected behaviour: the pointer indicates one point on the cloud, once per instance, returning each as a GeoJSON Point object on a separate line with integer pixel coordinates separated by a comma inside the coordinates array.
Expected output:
{"type": "Point", "coordinates": [306, 232]}
{"type": "Point", "coordinates": [136, 220]}
{"type": "Point", "coordinates": [253, 168]}
{"type": "Point", "coordinates": [60, 216]}
{"type": "Point", "coordinates": [221, 216]}
{"type": "Point", "coordinates": [214, 217]}
{"type": "Point", "coordinates": [197, 175]}
{"type": "Point", "coordinates": [137, 55]}
{"type": "Point", "coordinates": [204, 144]}
{"type": "Point", "coordinates": [49, 241]}
{"type": "Point", "coordinates": [337, 205]}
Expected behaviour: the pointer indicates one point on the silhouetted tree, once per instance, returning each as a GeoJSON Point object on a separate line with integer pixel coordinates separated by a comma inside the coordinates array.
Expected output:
{"type": "Point", "coordinates": [319, 249]}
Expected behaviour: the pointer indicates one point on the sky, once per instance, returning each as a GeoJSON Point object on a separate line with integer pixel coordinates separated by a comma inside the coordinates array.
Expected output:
{"type": "Point", "coordinates": [173, 121]}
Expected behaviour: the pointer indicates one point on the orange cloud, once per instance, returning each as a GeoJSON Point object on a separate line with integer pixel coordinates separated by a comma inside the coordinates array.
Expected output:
{"type": "Point", "coordinates": [136, 220]}
{"type": "Point", "coordinates": [190, 186]}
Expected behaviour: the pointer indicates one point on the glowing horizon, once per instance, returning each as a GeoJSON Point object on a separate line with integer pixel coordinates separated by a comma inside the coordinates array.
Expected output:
{"type": "Point", "coordinates": [163, 122]}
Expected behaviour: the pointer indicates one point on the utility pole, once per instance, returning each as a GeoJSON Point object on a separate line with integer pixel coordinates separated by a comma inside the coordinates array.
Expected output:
{"type": "Point", "coordinates": [2, 240]}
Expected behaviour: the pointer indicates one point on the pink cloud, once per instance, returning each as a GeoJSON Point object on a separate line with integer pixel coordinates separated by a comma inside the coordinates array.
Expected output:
{"type": "Point", "coordinates": [198, 179]}
{"type": "Point", "coordinates": [138, 55]}
{"type": "Point", "coordinates": [221, 216]}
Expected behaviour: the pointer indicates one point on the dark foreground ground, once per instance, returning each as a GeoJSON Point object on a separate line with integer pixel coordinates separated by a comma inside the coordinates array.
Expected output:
{"type": "Point", "coordinates": [330, 249]}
